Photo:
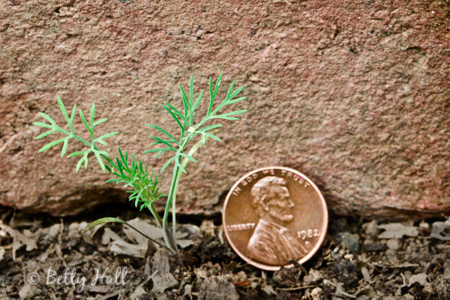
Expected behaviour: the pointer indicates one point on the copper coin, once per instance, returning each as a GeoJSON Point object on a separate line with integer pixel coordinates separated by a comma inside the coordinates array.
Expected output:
{"type": "Point", "coordinates": [274, 215]}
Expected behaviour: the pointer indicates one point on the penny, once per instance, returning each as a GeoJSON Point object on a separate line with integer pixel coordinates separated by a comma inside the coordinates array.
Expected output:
{"type": "Point", "coordinates": [273, 216]}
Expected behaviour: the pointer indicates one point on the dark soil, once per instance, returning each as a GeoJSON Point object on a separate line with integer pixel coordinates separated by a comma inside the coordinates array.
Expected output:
{"type": "Point", "coordinates": [358, 260]}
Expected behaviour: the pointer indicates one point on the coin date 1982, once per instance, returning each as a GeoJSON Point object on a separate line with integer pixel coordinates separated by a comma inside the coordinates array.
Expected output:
{"type": "Point", "coordinates": [308, 234]}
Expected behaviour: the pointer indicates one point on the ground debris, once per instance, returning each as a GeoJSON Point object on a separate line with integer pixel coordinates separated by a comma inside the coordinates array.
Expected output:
{"type": "Point", "coordinates": [287, 277]}
{"type": "Point", "coordinates": [349, 241]}
{"type": "Point", "coordinates": [395, 261]}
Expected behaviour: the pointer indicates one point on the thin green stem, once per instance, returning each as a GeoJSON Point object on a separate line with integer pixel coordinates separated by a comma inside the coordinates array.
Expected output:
{"type": "Point", "coordinates": [169, 237]}
{"type": "Point", "coordinates": [155, 214]}
{"type": "Point", "coordinates": [171, 201]}
{"type": "Point", "coordinates": [174, 202]}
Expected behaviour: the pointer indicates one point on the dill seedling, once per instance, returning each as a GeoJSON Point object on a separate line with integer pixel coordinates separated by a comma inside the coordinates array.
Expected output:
{"type": "Point", "coordinates": [134, 173]}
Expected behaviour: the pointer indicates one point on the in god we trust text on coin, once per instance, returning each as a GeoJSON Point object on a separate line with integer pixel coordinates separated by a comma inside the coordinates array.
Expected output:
{"type": "Point", "coordinates": [275, 215]}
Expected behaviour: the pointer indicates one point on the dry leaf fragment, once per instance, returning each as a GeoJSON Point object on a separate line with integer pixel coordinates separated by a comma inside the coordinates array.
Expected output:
{"type": "Point", "coordinates": [109, 235]}
{"type": "Point", "coordinates": [188, 291]}
{"type": "Point", "coordinates": [397, 231]}
{"type": "Point", "coordinates": [19, 239]}
{"type": "Point", "coordinates": [120, 247]}
{"type": "Point", "coordinates": [188, 234]}
{"type": "Point", "coordinates": [419, 278]}
{"type": "Point", "coordinates": [162, 278]}
{"type": "Point", "coordinates": [441, 231]}
{"type": "Point", "coordinates": [268, 289]}
{"type": "Point", "coordinates": [339, 288]}
{"type": "Point", "coordinates": [366, 275]}
{"type": "Point", "coordinates": [139, 291]}
{"type": "Point", "coordinates": [145, 227]}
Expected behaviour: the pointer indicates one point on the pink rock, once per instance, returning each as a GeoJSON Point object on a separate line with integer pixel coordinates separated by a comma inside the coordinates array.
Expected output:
{"type": "Point", "coordinates": [353, 94]}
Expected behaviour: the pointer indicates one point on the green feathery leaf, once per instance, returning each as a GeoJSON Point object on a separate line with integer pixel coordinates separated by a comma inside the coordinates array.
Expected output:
{"type": "Point", "coordinates": [212, 136]}
{"type": "Point", "coordinates": [64, 149]}
{"type": "Point", "coordinates": [108, 135]}
{"type": "Point", "coordinates": [47, 117]}
{"type": "Point", "coordinates": [100, 160]}
{"type": "Point", "coordinates": [207, 128]}
{"type": "Point", "coordinates": [197, 102]}
{"type": "Point", "coordinates": [83, 119]}
{"type": "Point", "coordinates": [92, 114]}
{"type": "Point", "coordinates": [75, 153]}
{"type": "Point", "coordinates": [63, 109]}
{"type": "Point", "coordinates": [52, 144]}
{"type": "Point", "coordinates": [164, 132]}
{"type": "Point", "coordinates": [40, 124]}
{"type": "Point", "coordinates": [45, 134]}
{"type": "Point", "coordinates": [96, 123]}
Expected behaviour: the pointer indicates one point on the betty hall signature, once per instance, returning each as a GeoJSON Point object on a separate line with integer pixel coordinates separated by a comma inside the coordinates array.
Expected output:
{"type": "Point", "coordinates": [70, 277]}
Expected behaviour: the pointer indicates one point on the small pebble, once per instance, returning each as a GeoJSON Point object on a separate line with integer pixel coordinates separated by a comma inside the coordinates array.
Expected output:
{"type": "Point", "coordinates": [349, 256]}
{"type": "Point", "coordinates": [314, 276]}
{"type": "Point", "coordinates": [393, 244]}
{"type": "Point", "coordinates": [371, 228]}
{"type": "Point", "coordinates": [73, 229]}
{"type": "Point", "coordinates": [424, 225]}
{"type": "Point", "coordinates": [54, 230]}
{"type": "Point", "coordinates": [317, 293]}
{"type": "Point", "coordinates": [392, 256]}
{"type": "Point", "coordinates": [28, 291]}
{"type": "Point", "coordinates": [242, 276]}
{"type": "Point", "coordinates": [349, 241]}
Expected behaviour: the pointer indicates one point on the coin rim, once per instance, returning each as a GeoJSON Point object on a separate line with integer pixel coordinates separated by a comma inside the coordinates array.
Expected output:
{"type": "Point", "coordinates": [303, 259]}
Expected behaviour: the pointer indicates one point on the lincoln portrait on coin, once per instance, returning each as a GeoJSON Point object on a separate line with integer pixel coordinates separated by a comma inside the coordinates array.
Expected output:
{"type": "Point", "coordinates": [271, 242]}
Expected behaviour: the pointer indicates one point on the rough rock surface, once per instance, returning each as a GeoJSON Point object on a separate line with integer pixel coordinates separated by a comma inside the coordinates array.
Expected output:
{"type": "Point", "coordinates": [355, 94]}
